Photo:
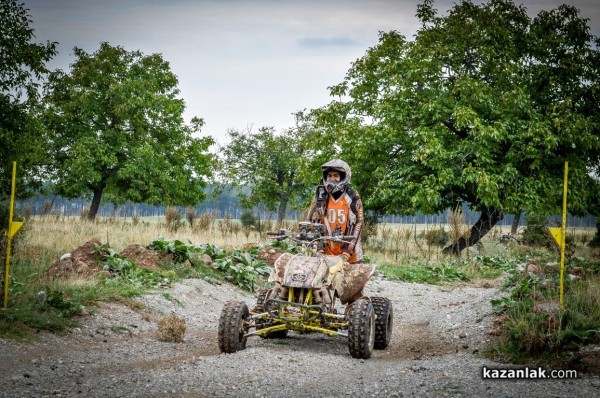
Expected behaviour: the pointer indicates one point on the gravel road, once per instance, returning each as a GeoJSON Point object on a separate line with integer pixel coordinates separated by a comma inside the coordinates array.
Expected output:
{"type": "Point", "coordinates": [438, 334]}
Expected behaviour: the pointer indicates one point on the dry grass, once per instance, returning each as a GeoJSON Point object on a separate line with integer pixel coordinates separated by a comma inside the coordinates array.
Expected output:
{"type": "Point", "coordinates": [67, 233]}
{"type": "Point", "coordinates": [390, 243]}
{"type": "Point", "coordinates": [190, 215]}
{"type": "Point", "coordinates": [171, 329]}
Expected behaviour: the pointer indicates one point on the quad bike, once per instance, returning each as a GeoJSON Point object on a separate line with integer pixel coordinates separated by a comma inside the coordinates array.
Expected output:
{"type": "Point", "coordinates": [307, 297]}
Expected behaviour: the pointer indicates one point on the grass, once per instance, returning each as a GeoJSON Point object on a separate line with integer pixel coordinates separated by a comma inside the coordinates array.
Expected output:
{"type": "Point", "coordinates": [410, 253]}
{"type": "Point", "coordinates": [534, 327]}
{"type": "Point", "coordinates": [477, 267]}
{"type": "Point", "coordinates": [38, 303]}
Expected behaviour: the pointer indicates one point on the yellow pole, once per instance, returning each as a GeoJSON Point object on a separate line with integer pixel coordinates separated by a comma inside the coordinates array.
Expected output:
{"type": "Point", "coordinates": [13, 227]}
{"type": "Point", "coordinates": [564, 235]}
{"type": "Point", "coordinates": [10, 217]}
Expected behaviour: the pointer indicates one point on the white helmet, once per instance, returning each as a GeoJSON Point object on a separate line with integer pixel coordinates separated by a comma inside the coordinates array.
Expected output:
{"type": "Point", "coordinates": [341, 167]}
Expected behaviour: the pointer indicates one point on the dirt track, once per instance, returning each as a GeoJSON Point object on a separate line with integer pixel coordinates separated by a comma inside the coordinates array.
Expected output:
{"type": "Point", "coordinates": [438, 335]}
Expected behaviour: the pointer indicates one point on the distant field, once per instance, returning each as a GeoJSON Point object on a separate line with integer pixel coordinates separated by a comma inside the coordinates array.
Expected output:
{"type": "Point", "coordinates": [391, 242]}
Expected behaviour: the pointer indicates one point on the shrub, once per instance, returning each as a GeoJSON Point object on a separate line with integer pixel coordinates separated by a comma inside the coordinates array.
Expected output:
{"type": "Point", "coordinates": [173, 219]}
{"type": "Point", "coordinates": [248, 219]}
{"type": "Point", "coordinates": [533, 324]}
{"type": "Point", "coordinates": [206, 221]}
{"type": "Point", "coordinates": [171, 329]}
{"type": "Point", "coordinates": [179, 250]}
{"type": "Point", "coordinates": [535, 233]}
{"type": "Point", "coordinates": [242, 268]}
{"type": "Point", "coordinates": [437, 236]}
{"type": "Point", "coordinates": [190, 215]}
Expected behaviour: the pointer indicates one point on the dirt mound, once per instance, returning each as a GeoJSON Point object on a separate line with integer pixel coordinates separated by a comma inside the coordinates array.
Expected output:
{"type": "Point", "coordinates": [81, 262]}
{"type": "Point", "coordinates": [144, 257]}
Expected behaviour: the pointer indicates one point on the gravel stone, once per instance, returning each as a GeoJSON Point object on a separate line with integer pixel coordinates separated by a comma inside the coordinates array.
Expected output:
{"type": "Point", "coordinates": [438, 333]}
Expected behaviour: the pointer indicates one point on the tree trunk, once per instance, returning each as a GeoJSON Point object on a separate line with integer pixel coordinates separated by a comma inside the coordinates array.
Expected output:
{"type": "Point", "coordinates": [283, 201]}
{"type": "Point", "coordinates": [95, 203]}
{"type": "Point", "coordinates": [488, 218]}
{"type": "Point", "coordinates": [515, 224]}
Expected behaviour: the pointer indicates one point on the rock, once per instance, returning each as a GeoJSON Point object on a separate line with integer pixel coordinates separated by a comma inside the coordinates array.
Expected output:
{"type": "Point", "coordinates": [41, 296]}
{"type": "Point", "coordinates": [534, 268]}
{"type": "Point", "coordinates": [82, 268]}
{"type": "Point", "coordinates": [206, 259]}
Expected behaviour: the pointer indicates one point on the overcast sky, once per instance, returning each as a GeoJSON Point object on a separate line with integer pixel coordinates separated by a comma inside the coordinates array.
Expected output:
{"type": "Point", "coordinates": [243, 64]}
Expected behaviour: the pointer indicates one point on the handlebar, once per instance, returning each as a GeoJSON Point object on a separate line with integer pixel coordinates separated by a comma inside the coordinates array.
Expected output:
{"type": "Point", "coordinates": [307, 236]}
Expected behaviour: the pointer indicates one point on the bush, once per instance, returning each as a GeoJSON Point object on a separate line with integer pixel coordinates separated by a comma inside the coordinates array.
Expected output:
{"type": "Point", "coordinates": [242, 268]}
{"type": "Point", "coordinates": [173, 219]}
{"type": "Point", "coordinates": [247, 219]}
{"type": "Point", "coordinates": [171, 329]}
{"type": "Point", "coordinates": [535, 234]}
{"type": "Point", "coordinates": [179, 250]}
{"type": "Point", "coordinates": [534, 326]}
{"type": "Point", "coordinates": [190, 215]}
{"type": "Point", "coordinates": [438, 236]}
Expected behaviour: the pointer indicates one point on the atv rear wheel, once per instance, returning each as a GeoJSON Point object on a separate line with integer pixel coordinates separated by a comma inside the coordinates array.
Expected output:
{"type": "Point", "coordinates": [260, 324]}
{"type": "Point", "coordinates": [384, 322]}
{"type": "Point", "coordinates": [361, 329]}
{"type": "Point", "coordinates": [233, 325]}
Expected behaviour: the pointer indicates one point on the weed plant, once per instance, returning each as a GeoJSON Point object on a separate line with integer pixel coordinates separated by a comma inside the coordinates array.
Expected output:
{"type": "Point", "coordinates": [39, 304]}
{"type": "Point", "coordinates": [171, 329]}
{"type": "Point", "coordinates": [535, 326]}
{"type": "Point", "coordinates": [477, 267]}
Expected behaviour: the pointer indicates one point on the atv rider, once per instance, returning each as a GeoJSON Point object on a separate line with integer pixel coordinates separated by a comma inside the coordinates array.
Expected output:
{"type": "Point", "coordinates": [339, 208]}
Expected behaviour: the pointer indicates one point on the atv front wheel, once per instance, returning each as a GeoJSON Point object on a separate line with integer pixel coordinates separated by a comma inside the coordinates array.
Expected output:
{"type": "Point", "coordinates": [384, 322]}
{"type": "Point", "coordinates": [233, 325]}
{"type": "Point", "coordinates": [361, 329]}
{"type": "Point", "coordinates": [260, 324]}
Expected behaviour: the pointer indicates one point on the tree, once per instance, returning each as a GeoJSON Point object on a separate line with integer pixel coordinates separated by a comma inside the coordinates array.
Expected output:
{"type": "Point", "coordinates": [116, 127]}
{"type": "Point", "coordinates": [268, 164]}
{"type": "Point", "coordinates": [22, 66]}
{"type": "Point", "coordinates": [483, 107]}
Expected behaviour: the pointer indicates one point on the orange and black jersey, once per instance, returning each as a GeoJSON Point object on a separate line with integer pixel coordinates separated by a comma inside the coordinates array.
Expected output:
{"type": "Point", "coordinates": [341, 214]}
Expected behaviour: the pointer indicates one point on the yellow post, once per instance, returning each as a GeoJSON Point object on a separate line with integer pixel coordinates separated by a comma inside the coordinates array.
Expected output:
{"type": "Point", "coordinates": [13, 227]}
{"type": "Point", "coordinates": [564, 233]}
